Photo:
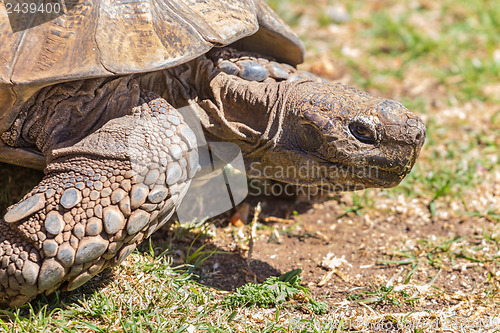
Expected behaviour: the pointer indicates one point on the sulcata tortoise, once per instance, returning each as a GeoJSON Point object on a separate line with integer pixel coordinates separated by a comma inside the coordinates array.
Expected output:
{"type": "Point", "coordinates": [92, 97]}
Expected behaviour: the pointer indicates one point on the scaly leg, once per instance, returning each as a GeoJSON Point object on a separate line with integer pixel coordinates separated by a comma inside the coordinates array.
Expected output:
{"type": "Point", "coordinates": [98, 200]}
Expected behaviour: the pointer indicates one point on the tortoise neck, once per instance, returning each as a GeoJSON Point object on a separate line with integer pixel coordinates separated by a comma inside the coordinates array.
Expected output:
{"type": "Point", "coordinates": [252, 112]}
{"type": "Point", "coordinates": [248, 113]}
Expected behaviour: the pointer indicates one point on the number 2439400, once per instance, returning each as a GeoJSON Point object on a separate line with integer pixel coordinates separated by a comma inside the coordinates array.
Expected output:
{"type": "Point", "coordinates": [33, 8]}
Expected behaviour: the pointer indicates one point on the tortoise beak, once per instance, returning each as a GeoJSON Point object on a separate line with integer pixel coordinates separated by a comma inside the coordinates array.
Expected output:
{"type": "Point", "coordinates": [404, 129]}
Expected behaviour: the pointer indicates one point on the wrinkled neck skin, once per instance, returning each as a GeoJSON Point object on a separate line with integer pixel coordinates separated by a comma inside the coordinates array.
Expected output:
{"type": "Point", "coordinates": [248, 113]}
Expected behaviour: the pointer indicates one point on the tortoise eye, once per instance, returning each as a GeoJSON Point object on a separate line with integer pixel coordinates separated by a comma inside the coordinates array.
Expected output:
{"type": "Point", "coordinates": [362, 133]}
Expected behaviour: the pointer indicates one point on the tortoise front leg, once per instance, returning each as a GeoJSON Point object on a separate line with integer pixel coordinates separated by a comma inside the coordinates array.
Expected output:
{"type": "Point", "coordinates": [98, 200]}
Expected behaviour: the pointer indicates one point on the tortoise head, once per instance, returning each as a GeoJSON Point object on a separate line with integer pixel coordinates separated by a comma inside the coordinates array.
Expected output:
{"type": "Point", "coordinates": [345, 139]}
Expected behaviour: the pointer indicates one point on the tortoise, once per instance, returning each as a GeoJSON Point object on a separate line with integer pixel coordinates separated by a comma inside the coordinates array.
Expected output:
{"type": "Point", "coordinates": [93, 98]}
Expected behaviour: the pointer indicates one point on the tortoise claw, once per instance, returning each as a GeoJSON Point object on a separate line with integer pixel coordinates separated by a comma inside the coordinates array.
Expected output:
{"type": "Point", "coordinates": [25, 208]}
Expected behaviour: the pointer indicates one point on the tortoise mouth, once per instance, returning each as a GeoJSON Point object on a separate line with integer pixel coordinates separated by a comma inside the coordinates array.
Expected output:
{"type": "Point", "coordinates": [350, 173]}
{"type": "Point", "coordinates": [350, 178]}
{"type": "Point", "coordinates": [366, 171]}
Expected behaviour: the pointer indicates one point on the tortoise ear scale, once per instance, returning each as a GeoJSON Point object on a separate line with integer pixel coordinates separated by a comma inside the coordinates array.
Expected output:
{"type": "Point", "coordinates": [311, 138]}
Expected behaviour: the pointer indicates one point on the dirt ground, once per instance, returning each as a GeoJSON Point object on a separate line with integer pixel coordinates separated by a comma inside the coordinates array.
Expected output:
{"type": "Point", "coordinates": [360, 242]}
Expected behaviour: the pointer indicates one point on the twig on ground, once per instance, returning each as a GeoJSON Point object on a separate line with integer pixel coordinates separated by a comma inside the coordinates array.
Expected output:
{"type": "Point", "coordinates": [252, 232]}
{"type": "Point", "coordinates": [270, 219]}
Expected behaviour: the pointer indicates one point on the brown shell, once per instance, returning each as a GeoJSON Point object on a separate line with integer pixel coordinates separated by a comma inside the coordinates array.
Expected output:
{"type": "Point", "coordinates": [115, 37]}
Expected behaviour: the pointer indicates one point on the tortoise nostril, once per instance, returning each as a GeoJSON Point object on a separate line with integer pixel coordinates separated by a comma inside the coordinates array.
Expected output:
{"type": "Point", "coordinates": [420, 136]}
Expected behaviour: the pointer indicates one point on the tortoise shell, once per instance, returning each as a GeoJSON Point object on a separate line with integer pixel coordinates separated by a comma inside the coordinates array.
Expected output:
{"type": "Point", "coordinates": [99, 38]}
